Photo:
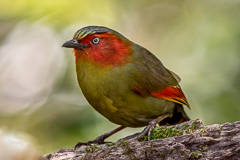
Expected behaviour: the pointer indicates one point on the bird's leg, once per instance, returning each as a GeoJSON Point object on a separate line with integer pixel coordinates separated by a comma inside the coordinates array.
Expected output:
{"type": "Point", "coordinates": [100, 139]}
{"type": "Point", "coordinates": [151, 126]}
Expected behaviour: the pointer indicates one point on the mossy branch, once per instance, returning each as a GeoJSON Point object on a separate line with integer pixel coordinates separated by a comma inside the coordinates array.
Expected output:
{"type": "Point", "coordinates": [189, 140]}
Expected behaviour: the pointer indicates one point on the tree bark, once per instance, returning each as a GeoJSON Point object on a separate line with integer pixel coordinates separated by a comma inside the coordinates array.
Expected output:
{"type": "Point", "coordinates": [196, 142]}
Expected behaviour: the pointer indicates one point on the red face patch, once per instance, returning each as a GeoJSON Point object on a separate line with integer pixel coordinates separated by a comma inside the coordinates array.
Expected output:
{"type": "Point", "coordinates": [105, 49]}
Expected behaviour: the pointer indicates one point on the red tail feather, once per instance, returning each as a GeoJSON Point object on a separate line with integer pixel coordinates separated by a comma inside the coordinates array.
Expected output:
{"type": "Point", "coordinates": [173, 94]}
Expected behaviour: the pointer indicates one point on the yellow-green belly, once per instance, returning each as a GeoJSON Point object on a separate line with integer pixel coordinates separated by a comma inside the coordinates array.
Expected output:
{"type": "Point", "coordinates": [109, 92]}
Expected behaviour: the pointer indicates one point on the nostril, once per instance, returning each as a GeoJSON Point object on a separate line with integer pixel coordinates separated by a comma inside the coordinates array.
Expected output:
{"type": "Point", "coordinates": [74, 40]}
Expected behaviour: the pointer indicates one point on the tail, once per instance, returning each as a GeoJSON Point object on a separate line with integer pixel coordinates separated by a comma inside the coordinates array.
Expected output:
{"type": "Point", "coordinates": [179, 116]}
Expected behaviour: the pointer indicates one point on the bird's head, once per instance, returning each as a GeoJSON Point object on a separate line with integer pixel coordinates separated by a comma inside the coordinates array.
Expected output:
{"type": "Point", "coordinates": [100, 45]}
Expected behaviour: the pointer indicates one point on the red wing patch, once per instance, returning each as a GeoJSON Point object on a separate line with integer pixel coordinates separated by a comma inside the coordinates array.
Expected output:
{"type": "Point", "coordinates": [173, 94]}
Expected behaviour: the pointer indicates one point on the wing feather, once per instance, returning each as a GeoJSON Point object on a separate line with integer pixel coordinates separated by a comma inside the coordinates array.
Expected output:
{"type": "Point", "coordinates": [153, 79]}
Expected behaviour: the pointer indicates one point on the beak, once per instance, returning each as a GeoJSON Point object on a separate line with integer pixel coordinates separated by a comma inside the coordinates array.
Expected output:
{"type": "Point", "coordinates": [73, 43]}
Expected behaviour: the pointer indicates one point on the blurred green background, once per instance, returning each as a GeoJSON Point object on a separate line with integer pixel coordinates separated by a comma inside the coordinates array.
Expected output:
{"type": "Point", "coordinates": [39, 94]}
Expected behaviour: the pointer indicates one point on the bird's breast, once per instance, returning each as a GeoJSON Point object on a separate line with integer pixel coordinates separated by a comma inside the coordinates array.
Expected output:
{"type": "Point", "coordinates": [97, 84]}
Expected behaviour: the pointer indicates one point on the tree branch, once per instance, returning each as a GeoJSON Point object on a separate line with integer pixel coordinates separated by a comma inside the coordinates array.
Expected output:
{"type": "Point", "coordinates": [194, 142]}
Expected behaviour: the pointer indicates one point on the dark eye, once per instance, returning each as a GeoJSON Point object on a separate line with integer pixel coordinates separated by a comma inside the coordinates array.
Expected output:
{"type": "Point", "coordinates": [96, 40]}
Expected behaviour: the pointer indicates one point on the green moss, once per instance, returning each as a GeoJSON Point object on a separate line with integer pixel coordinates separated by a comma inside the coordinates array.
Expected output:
{"type": "Point", "coordinates": [162, 155]}
{"type": "Point", "coordinates": [124, 143]}
{"type": "Point", "coordinates": [196, 154]}
{"type": "Point", "coordinates": [152, 151]}
{"type": "Point", "coordinates": [165, 132]}
{"type": "Point", "coordinates": [193, 127]}
{"type": "Point", "coordinates": [185, 153]}
{"type": "Point", "coordinates": [127, 150]}
{"type": "Point", "coordinates": [110, 144]}
{"type": "Point", "coordinates": [203, 147]}
{"type": "Point", "coordinates": [148, 150]}
{"type": "Point", "coordinates": [91, 148]}
{"type": "Point", "coordinates": [203, 132]}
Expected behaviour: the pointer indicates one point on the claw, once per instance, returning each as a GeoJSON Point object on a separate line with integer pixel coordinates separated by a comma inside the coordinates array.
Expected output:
{"type": "Point", "coordinates": [100, 139]}
{"type": "Point", "coordinates": [151, 126]}
{"type": "Point", "coordinates": [148, 130]}
{"type": "Point", "coordinates": [79, 144]}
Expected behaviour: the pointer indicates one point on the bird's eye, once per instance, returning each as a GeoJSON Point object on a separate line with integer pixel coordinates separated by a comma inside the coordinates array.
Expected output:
{"type": "Point", "coordinates": [96, 40]}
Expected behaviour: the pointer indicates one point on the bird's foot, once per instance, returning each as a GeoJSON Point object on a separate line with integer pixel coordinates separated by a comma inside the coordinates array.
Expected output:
{"type": "Point", "coordinates": [147, 130]}
{"type": "Point", "coordinates": [150, 127]}
{"type": "Point", "coordinates": [98, 140]}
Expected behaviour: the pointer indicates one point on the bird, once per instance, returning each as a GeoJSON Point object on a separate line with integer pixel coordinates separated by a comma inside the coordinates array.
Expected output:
{"type": "Point", "coordinates": [125, 82]}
